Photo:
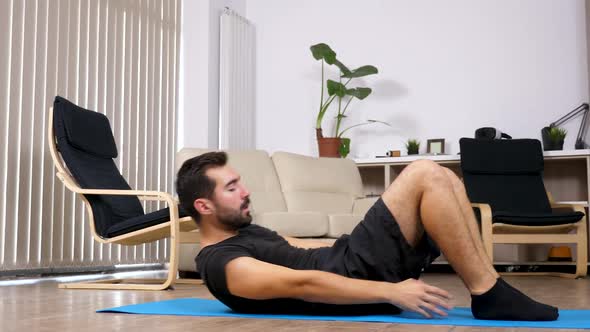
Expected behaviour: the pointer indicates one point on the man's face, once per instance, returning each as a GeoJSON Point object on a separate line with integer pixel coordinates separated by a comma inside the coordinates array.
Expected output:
{"type": "Point", "coordinates": [230, 198]}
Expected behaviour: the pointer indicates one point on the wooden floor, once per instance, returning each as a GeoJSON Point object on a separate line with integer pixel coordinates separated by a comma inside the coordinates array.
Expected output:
{"type": "Point", "coordinates": [44, 307]}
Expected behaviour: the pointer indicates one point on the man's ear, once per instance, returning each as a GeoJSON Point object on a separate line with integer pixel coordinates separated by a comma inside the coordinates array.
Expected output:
{"type": "Point", "coordinates": [203, 206]}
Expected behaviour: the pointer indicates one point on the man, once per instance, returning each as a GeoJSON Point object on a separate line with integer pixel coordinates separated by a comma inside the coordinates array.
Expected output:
{"type": "Point", "coordinates": [373, 270]}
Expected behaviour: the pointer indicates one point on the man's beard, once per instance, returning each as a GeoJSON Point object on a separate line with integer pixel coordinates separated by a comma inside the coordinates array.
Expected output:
{"type": "Point", "coordinates": [235, 219]}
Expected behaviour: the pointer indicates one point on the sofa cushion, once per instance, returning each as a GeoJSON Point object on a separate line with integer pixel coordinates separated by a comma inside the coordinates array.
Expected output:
{"type": "Point", "coordinates": [318, 201]}
{"type": "Point", "coordinates": [326, 185]}
{"type": "Point", "coordinates": [340, 224]}
{"type": "Point", "coordinates": [296, 224]}
{"type": "Point", "coordinates": [186, 154]}
{"type": "Point", "coordinates": [257, 172]}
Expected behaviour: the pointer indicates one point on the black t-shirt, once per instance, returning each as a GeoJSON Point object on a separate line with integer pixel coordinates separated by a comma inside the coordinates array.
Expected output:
{"type": "Point", "coordinates": [265, 245]}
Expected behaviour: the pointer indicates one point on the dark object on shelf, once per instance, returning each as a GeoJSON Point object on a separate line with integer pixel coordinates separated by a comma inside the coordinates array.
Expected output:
{"type": "Point", "coordinates": [435, 146]}
{"type": "Point", "coordinates": [490, 133]}
{"type": "Point", "coordinates": [394, 153]}
{"type": "Point", "coordinates": [580, 143]}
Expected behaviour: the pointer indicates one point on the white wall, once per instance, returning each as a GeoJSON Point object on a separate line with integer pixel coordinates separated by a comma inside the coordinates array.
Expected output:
{"type": "Point", "coordinates": [446, 68]}
{"type": "Point", "coordinates": [193, 97]}
{"type": "Point", "coordinates": [198, 118]}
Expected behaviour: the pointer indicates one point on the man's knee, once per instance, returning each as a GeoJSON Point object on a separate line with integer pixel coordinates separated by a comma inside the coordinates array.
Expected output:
{"type": "Point", "coordinates": [452, 175]}
{"type": "Point", "coordinates": [430, 173]}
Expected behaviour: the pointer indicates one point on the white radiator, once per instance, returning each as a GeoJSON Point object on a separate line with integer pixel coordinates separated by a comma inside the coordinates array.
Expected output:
{"type": "Point", "coordinates": [118, 57]}
{"type": "Point", "coordinates": [237, 113]}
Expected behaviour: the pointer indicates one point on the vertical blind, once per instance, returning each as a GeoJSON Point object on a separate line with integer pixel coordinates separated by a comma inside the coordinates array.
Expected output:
{"type": "Point", "coordinates": [237, 65]}
{"type": "Point", "coordinates": [117, 57]}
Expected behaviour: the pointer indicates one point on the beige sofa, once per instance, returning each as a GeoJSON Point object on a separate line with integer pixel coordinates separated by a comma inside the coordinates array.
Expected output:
{"type": "Point", "coordinates": [294, 195]}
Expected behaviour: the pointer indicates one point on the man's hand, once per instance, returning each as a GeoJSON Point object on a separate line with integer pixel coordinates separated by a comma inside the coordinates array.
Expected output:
{"type": "Point", "coordinates": [418, 296]}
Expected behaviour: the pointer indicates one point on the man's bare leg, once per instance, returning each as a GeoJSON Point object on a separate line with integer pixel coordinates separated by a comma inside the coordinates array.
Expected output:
{"type": "Point", "coordinates": [425, 197]}
{"type": "Point", "coordinates": [422, 197]}
{"type": "Point", "coordinates": [470, 219]}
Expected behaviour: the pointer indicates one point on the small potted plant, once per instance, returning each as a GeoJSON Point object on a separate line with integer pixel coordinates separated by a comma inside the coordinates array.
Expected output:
{"type": "Point", "coordinates": [413, 146]}
{"type": "Point", "coordinates": [556, 138]}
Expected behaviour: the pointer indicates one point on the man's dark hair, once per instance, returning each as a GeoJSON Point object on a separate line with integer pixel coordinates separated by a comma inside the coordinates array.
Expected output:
{"type": "Point", "coordinates": [192, 182]}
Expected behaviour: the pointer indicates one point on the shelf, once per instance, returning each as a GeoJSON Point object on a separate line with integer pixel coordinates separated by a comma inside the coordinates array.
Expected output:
{"type": "Point", "coordinates": [456, 158]}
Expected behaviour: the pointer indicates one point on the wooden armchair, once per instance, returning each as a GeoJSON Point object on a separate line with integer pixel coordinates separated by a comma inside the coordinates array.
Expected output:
{"type": "Point", "coordinates": [505, 180]}
{"type": "Point", "coordinates": [82, 147]}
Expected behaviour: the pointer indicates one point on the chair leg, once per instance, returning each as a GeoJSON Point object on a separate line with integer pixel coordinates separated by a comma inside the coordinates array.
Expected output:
{"type": "Point", "coordinates": [189, 281]}
{"type": "Point", "coordinates": [135, 284]}
{"type": "Point", "coordinates": [582, 251]}
{"type": "Point", "coordinates": [487, 233]}
{"type": "Point", "coordinates": [128, 284]}
{"type": "Point", "coordinates": [120, 284]}
{"type": "Point", "coordinates": [581, 261]}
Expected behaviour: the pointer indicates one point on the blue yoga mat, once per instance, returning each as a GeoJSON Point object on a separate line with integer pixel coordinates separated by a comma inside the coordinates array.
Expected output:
{"type": "Point", "coordinates": [568, 319]}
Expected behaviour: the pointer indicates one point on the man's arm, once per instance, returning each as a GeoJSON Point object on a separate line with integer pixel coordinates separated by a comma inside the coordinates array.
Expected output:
{"type": "Point", "coordinates": [305, 244]}
{"type": "Point", "coordinates": [253, 279]}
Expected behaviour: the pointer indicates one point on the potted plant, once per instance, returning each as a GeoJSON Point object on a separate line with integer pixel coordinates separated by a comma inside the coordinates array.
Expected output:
{"type": "Point", "coordinates": [413, 146]}
{"type": "Point", "coordinates": [554, 138]}
{"type": "Point", "coordinates": [338, 145]}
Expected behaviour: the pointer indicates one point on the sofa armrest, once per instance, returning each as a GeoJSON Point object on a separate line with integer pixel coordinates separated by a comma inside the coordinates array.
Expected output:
{"type": "Point", "coordinates": [360, 206]}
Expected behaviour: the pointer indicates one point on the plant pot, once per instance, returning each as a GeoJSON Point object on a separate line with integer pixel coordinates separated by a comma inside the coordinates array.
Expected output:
{"type": "Point", "coordinates": [548, 144]}
{"type": "Point", "coordinates": [555, 146]}
{"type": "Point", "coordinates": [329, 146]}
{"type": "Point", "coordinates": [412, 152]}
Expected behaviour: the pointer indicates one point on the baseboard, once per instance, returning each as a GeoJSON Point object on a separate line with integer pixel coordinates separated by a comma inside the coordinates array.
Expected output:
{"type": "Point", "coordinates": [564, 267]}
{"type": "Point", "coordinates": [81, 270]}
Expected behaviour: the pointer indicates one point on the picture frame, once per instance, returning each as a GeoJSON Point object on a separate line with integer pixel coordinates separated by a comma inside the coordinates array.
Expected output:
{"type": "Point", "coordinates": [435, 146]}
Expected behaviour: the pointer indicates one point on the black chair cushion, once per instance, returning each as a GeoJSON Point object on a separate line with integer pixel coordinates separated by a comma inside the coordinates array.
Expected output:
{"type": "Point", "coordinates": [537, 219]}
{"type": "Point", "coordinates": [523, 193]}
{"type": "Point", "coordinates": [143, 221]}
{"type": "Point", "coordinates": [513, 156]}
{"type": "Point", "coordinates": [507, 174]}
{"type": "Point", "coordinates": [88, 131]}
{"type": "Point", "coordinates": [90, 166]}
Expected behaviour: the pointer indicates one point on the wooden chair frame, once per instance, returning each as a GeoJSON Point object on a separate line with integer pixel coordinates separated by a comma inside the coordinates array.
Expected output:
{"type": "Point", "coordinates": [177, 229]}
{"type": "Point", "coordinates": [505, 233]}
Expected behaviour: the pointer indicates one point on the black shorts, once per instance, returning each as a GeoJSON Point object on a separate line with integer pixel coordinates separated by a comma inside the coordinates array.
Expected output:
{"type": "Point", "coordinates": [377, 250]}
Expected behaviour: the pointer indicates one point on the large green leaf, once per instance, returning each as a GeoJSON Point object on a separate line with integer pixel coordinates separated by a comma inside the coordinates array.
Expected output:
{"type": "Point", "coordinates": [336, 88]}
{"type": "Point", "coordinates": [360, 93]}
{"type": "Point", "coordinates": [323, 51]}
{"type": "Point", "coordinates": [343, 68]}
{"type": "Point", "coordinates": [362, 71]}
